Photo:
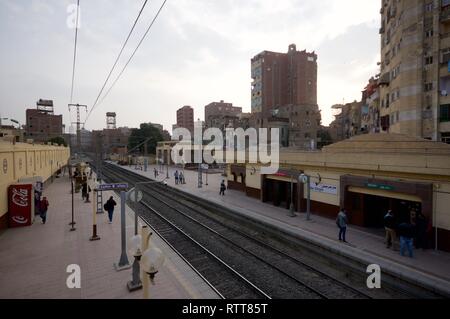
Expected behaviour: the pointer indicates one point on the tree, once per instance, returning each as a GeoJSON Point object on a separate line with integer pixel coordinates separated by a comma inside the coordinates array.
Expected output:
{"type": "Point", "coordinates": [324, 138]}
{"type": "Point", "coordinates": [58, 140]}
{"type": "Point", "coordinates": [145, 132]}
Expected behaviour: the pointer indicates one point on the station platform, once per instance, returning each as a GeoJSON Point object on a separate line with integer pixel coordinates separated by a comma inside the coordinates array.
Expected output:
{"type": "Point", "coordinates": [34, 260]}
{"type": "Point", "coordinates": [428, 267]}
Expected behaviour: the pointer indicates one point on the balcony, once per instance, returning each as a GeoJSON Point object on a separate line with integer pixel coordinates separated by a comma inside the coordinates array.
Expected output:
{"type": "Point", "coordinates": [445, 15]}
{"type": "Point", "coordinates": [385, 79]}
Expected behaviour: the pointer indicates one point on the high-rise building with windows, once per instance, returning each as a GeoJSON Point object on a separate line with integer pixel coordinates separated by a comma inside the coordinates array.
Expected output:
{"type": "Point", "coordinates": [415, 68]}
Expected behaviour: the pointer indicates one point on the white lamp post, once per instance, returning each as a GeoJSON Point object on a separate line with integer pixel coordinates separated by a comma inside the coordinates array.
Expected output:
{"type": "Point", "coordinates": [135, 251]}
{"type": "Point", "coordinates": [152, 260]}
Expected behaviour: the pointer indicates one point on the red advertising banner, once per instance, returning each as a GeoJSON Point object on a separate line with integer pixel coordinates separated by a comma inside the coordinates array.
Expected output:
{"type": "Point", "coordinates": [20, 205]}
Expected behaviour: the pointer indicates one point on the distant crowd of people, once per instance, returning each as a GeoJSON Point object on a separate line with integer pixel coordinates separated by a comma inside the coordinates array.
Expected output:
{"type": "Point", "coordinates": [410, 233]}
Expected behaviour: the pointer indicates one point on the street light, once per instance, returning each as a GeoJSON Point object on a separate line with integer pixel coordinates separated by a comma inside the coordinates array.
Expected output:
{"type": "Point", "coordinates": [135, 251]}
{"type": "Point", "coordinates": [135, 243]}
{"type": "Point", "coordinates": [291, 208]}
{"type": "Point", "coordinates": [306, 179]}
{"type": "Point", "coordinates": [152, 260]}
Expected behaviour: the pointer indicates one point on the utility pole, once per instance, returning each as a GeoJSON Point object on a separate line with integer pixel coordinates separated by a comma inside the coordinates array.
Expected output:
{"type": "Point", "coordinates": [78, 122]}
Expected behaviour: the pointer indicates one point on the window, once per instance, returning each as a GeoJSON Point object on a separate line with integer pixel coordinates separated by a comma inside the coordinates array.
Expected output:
{"type": "Point", "coordinates": [445, 137]}
{"type": "Point", "coordinates": [428, 60]}
{"type": "Point", "coordinates": [428, 87]}
{"type": "Point", "coordinates": [445, 113]}
{"type": "Point", "coordinates": [429, 33]}
{"type": "Point", "coordinates": [429, 7]}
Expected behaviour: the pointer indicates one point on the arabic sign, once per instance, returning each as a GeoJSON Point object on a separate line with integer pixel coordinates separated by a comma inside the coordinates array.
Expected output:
{"type": "Point", "coordinates": [324, 188]}
{"type": "Point", "coordinates": [112, 187]}
{"type": "Point", "coordinates": [380, 186]}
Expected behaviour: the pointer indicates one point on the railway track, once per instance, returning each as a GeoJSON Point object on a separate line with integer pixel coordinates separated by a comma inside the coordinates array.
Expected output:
{"type": "Point", "coordinates": [276, 273]}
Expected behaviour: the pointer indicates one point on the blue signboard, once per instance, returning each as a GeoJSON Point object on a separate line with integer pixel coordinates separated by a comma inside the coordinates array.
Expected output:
{"type": "Point", "coordinates": [112, 187]}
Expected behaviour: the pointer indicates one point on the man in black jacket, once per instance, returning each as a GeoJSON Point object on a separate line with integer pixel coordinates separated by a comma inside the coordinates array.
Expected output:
{"type": "Point", "coordinates": [109, 207]}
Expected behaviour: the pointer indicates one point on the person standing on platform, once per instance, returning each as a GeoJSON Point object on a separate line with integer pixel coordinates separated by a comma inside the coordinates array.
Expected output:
{"type": "Point", "coordinates": [176, 177]}
{"type": "Point", "coordinates": [223, 187]}
{"type": "Point", "coordinates": [109, 207]}
{"type": "Point", "coordinates": [389, 226]}
{"type": "Point", "coordinates": [341, 222]}
{"type": "Point", "coordinates": [155, 171]}
{"type": "Point", "coordinates": [181, 177]}
{"type": "Point", "coordinates": [43, 207]}
{"type": "Point", "coordinates": [86, 189]}
{"type": "Point", "coordinates": [406, 231]}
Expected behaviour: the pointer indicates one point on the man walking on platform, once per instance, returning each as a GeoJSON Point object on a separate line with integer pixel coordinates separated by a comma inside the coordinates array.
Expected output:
{"type": "Point", "coordinates": [222, 188]}
{"type": "Point", "coordinates": [43, 209]}
{"type": "Point", "coordinates": [109, 207]}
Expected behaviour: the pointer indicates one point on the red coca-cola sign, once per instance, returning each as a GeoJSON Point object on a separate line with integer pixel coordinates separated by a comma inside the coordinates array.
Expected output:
{"type": "Point", "coordinates": [20, 205]}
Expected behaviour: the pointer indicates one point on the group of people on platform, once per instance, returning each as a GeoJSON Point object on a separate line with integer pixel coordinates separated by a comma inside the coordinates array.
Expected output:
{"type": "Point", "coordinates": [179, 178]}
{"type": "Point", "coordinates": [411, 233]}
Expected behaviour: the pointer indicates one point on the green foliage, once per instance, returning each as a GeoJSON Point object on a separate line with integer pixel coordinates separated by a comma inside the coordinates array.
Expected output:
{"type": "Point", "coordinates": [324, 138]}
{"type": "Point", "coordinates": [58, 140]}
{"type": "Point", "coordinates": [138, 136]}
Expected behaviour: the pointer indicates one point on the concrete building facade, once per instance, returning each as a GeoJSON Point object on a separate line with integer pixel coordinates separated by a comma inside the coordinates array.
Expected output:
{"type": "Point", "coordinates": [221, 115]}
{"type": "Point", "coordinates": [42, 126]}
{"type": "Point", "coordinates": [185, 118]}
{"type": "Point", "coordinates": [22, 161]}
{"type": "Point", "coordinates": [283, 78]}
{"type": "Point", "coordinates": [415, 73]}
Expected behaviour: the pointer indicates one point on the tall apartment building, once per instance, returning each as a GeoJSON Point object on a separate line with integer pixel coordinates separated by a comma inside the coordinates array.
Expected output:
{"type": "Point", "coordinates": [284, 95]}
{"type": "Point", "coordinates": [415, 68]}
{"type": "Point", "coordinates": [283, 79]}
{"type": "Point", "coordinates": [185, 118]}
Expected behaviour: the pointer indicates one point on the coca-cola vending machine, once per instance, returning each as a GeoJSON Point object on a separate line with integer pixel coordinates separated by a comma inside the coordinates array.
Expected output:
{"type": "Point", "coordinates": [21, 205]}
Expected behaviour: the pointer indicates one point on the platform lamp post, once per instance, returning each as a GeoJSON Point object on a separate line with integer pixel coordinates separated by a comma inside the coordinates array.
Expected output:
{"type": "Point", "coordinates": [135, 243]}
{"type": "Point", "coordinates": [306, 179]}
{"type": "Point", "coordinates": [167, 170]}
{"type": "Point", "coordinates": [291, 208]}
{"type": "Point", "coordinates": [135, 250]}
{"type": "Point", "coordinates": [72, 223]}
{"type": "Point", "coordinates": [152, 260]}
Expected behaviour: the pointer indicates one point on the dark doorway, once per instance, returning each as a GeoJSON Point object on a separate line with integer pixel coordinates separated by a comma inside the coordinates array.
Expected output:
{"type": "Point", "coordinates": [369, 210]}
{"type": "Point", "coordinates": [279, 193]}
{"type": "Point", "coordinates": [375, 208]}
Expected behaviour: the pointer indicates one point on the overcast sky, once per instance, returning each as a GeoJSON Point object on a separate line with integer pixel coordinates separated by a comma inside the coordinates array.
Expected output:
{"type": "Point", "coordinates": [197, 52]}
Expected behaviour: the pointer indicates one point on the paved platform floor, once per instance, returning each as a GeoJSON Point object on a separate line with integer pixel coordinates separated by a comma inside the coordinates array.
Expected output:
{"type": "Point", "coordinates": [33, 260]}
{"type": "Point", "coordinates": [428, 265]}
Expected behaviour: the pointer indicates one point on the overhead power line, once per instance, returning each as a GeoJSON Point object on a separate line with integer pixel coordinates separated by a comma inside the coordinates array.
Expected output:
{"type": "Point", "coordinates": [118, 57]}
{"type": "Point", "coordinates": [131, 57]}
{"type": "Point", "coordinates": [75, 52]}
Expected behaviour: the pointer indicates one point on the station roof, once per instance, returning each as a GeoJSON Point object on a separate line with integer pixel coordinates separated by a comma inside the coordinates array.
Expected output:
{"type": "Point", "coordinates": [388, 143]}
